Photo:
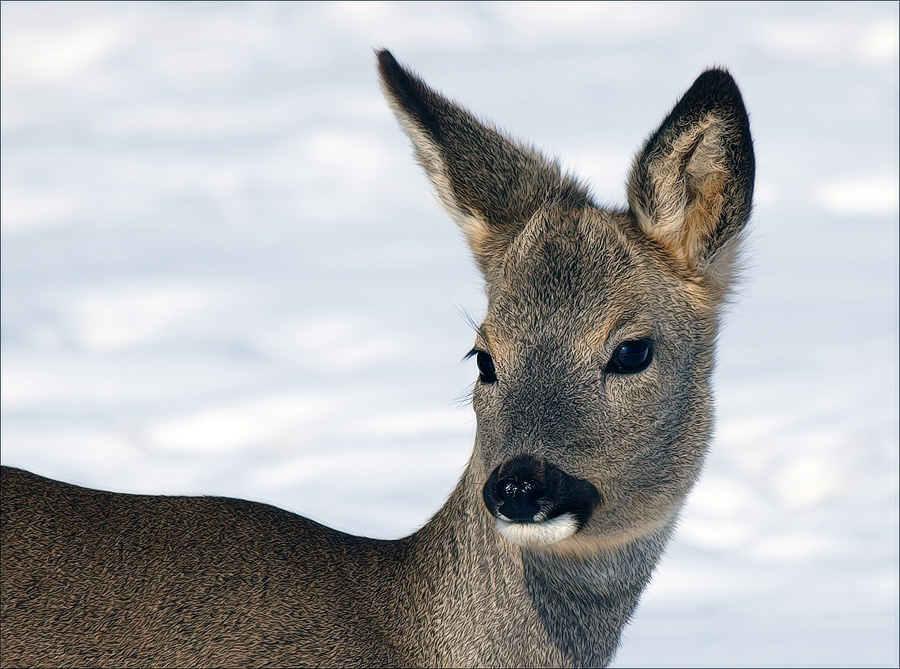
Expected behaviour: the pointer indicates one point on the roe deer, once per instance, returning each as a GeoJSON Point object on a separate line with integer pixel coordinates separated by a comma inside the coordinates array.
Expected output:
{"type": "Point", "coordinates": [594, 415]}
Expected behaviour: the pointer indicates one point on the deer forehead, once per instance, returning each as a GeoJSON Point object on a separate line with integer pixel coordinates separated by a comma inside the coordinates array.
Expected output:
{"type": "Point", "coordinates": [578, 278]}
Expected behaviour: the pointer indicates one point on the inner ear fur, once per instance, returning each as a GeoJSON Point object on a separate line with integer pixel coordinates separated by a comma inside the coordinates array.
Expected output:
{"type": "Point", "coordinates": [488, 183]}
{"type": "Point", "coordinates": [691, 186]}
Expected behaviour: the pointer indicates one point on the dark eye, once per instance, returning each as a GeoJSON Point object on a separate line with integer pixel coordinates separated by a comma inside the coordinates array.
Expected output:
{"type": "Point", "coordinates": [631, 357]}
{"type": "Point", "coordinates": [486, 371]}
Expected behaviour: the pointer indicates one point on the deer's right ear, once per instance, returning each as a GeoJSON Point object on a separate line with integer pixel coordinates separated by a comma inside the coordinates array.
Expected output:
{"type": "Point", "coordinates": [489, 184]}
{"type": "Point", "coordinates": [691, 187]}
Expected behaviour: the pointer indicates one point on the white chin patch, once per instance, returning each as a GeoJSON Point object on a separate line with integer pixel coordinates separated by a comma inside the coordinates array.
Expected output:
{"type": "Point", "coordinates": [538, 534]}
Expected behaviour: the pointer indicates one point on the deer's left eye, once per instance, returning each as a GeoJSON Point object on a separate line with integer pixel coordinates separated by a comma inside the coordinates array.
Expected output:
{"type": "Point", "coordinates": [486, 371]}
{"type": "Point", "coordinates": [631, 357]}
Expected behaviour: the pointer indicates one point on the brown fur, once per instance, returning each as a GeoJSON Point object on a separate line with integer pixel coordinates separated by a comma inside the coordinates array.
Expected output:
{"type": "Point", "coordinates": [92, 578]}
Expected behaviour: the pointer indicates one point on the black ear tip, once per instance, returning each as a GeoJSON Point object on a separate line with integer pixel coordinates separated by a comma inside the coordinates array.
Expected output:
{"type": "Point", "coordinates": [386, 60]}
{"type": "Point", "coordinates": [715, 75]}
{"type": "Point", "coordinates": [716, 86]}
{"type": "Point", "coordinates": [388, 67]}
{"type": "Point", "coordinates": [714, 80]}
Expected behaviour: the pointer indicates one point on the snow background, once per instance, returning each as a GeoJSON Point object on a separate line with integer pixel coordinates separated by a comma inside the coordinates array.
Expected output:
{"type": "Point", "coordinates": [222, 273]}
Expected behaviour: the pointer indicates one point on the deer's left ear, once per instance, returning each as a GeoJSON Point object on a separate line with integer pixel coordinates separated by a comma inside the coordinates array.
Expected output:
{"type": "Point", "coordinates": [691, 186]}
{"type": "Point", "coordinates": [488, 183]}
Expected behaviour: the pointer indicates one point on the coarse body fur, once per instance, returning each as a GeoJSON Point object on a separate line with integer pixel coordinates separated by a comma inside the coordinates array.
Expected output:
{"type": "Point", "coordinates": [594, 416]}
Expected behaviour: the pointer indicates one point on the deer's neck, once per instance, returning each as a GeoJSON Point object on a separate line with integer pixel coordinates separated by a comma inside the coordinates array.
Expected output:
{"type": "Point", "coordinates": [473, 598]}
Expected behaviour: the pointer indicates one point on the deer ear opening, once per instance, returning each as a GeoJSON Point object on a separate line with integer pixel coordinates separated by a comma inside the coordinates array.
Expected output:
{"type": "Point", "coordinates": [691, 186]}
{"type": "Point", "coordinates": [490, 185]}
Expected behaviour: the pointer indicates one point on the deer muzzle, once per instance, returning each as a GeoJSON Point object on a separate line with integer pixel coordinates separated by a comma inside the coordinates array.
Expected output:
{"type": "Point", "coordinates": [536, 503]}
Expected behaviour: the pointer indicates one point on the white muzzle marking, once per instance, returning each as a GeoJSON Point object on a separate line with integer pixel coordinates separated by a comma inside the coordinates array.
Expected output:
{"type": "Point", "coordinates": [542, 533]}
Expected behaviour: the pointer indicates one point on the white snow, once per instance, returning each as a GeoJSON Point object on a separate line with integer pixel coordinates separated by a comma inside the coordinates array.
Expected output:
{"type": "Point", "coordinates": [223, 273]}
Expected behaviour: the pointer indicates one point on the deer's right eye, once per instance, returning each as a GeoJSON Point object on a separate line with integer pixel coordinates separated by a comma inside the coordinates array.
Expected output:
{"type": "Point", "coordinates": [486, 371]}
{"type": "Point", "coordinates": [631, 357]}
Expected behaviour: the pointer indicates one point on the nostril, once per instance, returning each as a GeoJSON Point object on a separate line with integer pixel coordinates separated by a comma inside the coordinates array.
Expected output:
{"type": "Point", "coordinates": [513, 490]}
{"type": "Point", "coordinates": [533, 490]}
{"type": "Point", "coordinates": [507, 489]}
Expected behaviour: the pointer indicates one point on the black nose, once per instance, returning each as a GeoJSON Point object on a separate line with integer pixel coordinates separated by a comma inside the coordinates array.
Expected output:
{"type": "Point", "coordinates": [529, 490]}
{"type": "Point", "coordinates": [518, 490]}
